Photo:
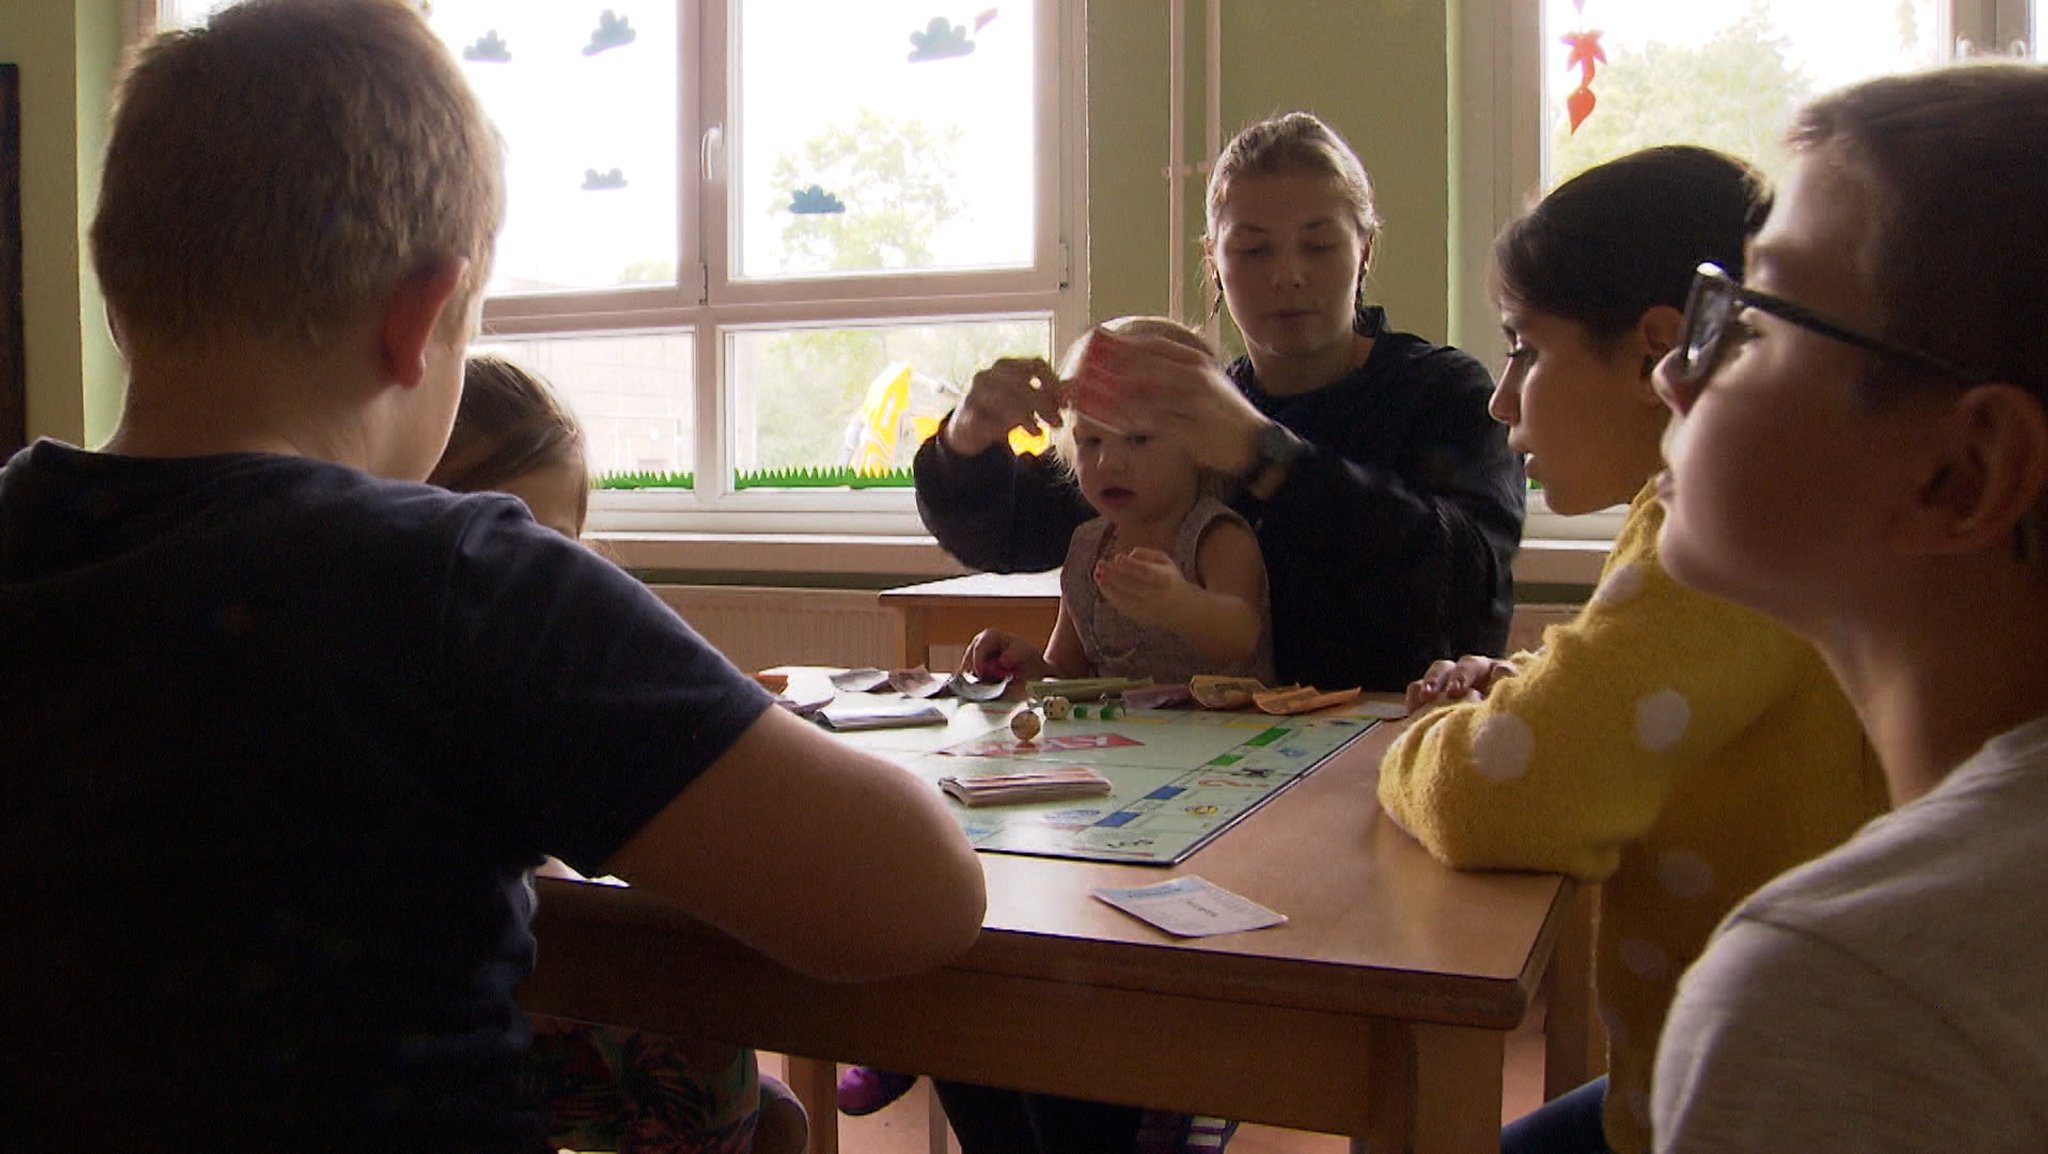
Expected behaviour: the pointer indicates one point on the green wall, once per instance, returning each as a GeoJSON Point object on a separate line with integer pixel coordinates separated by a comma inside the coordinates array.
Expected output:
{"type": "Point", "coordinates": [1376, 71]}
{"type": "Point", "coordinates": [67, 56]}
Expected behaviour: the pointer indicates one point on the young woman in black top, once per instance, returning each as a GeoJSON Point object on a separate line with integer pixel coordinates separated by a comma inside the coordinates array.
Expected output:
{"type": "Point", "coordinates": [1386, 501]}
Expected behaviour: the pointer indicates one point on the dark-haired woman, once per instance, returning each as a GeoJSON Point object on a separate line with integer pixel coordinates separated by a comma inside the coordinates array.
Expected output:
{"type": "Point", "coordinates": [1671, 746]}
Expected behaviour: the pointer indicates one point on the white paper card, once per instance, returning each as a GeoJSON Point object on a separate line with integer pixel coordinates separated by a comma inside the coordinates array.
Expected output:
{"type": "Point", "coordinates": [881, 715]}
{"type": "Point", "coordinates": [1191, 907]}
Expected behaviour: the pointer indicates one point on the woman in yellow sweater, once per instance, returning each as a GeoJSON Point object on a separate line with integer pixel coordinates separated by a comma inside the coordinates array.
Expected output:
{"type": "Point", "coordinates": [1670, 745]}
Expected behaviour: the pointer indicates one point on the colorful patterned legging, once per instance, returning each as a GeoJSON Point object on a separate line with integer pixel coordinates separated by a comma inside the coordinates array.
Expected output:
{"type": "Point", "coordinates": [623, 1090]}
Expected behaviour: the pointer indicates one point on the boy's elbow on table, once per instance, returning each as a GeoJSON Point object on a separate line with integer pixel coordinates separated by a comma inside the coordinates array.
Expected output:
{"type": "Point", "coordinates": [830, 861]}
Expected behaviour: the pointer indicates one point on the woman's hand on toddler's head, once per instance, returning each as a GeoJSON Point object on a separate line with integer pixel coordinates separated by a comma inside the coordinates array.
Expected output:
{"type": "Point", "coordinates": [1466, 679]}
{"type": "Point", "coordinates": [1144, 585]}
{"type": "Point", "coordinates": [1013, 393]}
{"type": "Point", "coordinates": [995, 654]}
{"type": "Point", "coordinates": [1183, 393]}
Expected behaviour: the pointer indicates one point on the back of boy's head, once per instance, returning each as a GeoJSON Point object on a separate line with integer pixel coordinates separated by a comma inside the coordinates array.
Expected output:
{"type": "Point", "coordinates": [1953, 168]}
{"type": "Point", "coordinates": [281, 171]}
{"type": "Point", "coordinates": [510, 424]}
{"type": "Point", "coordinates": [1620, 238]}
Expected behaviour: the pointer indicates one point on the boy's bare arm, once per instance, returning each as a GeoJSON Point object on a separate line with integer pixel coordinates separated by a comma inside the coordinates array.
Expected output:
{"type": "Point", "coordinates": [831, 861]}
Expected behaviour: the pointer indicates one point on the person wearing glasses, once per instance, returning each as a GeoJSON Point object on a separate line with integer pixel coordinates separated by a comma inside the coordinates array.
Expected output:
{"type": "Point", "coordinates": [1675, 748]}
{"type": "Point", "coordinates": [1860, 450]}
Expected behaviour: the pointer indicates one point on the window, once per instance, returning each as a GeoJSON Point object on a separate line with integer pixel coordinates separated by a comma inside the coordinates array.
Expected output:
{"type": "Point", "coordinates": [762, 245]}
{"type": "Point", "coordinates": [1725, 73]}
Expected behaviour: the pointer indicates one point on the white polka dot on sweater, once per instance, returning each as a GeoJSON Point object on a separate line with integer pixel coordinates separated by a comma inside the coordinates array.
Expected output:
{"type": "Point", "coordinates": [1501, 747]}
{"type": "Point", "coordinates": [1661, 719]}
{"type": "Point", "coordinates": [1623, 584]}
{"type": "Point", "coordinates": [1684, 874]}
{"type": "Point", "coordinates": [1644, 959]}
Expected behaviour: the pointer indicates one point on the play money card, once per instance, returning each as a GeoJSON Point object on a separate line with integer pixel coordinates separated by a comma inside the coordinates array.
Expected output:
{"type": "Point", "coordinates": [1191, 907]}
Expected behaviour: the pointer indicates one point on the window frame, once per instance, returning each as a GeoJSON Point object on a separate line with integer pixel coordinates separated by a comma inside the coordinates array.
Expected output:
{"type": "Point", "coordinates": [710, 302]}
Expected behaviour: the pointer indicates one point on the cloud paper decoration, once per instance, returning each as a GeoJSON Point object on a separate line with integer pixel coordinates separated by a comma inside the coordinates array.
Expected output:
{"type": "Point", "coordinates": [612, 31]}
{"type": "Point", "coordinates": [489, 49]}
{"type": "Point", "coordinates": [940, 40]}
{"type": "Point", "coordinates": [815, 201]}
{"type": "Point", "coordinates": [595, 181]}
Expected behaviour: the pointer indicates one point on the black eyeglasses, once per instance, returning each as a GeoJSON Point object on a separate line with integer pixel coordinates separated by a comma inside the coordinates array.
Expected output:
{"type": "Point", "coordinates": [1715, 297]}
{"type": "Point", "coordinates": [1702, 338]}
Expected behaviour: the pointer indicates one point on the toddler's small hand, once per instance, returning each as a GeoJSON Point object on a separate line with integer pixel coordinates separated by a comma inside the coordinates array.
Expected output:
{"type": "Point", "coordinates": [1466, 679]}
{"type": "Point", "coordinates": [1140, 583]}
{"type": "Point", "coordinates": [995, 654]}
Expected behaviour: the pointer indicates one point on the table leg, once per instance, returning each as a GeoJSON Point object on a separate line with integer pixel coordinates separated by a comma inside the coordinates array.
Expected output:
{"type": "Point", "coordinates": [1574, 1043]}
{"type": "Point", "coordinates": [913, 636]}
{"type": "Point", "coordinates": [1458, 1089]}
{"type": "Point", "coordinates": [816, 1084]}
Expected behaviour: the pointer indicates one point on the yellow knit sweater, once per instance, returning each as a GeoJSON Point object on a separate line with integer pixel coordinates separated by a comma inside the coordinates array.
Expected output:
{"type": "Point", "coordinates": [1677, 748]}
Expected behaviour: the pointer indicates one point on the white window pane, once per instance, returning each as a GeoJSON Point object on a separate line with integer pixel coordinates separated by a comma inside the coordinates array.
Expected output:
{"type": "Point", "coordinates": [883, 135]}
{"type": "Point", "coordinates": [585, 97]}
{"type": "Point", "coordinates": [857, 397]}
{"type": "Point", "coordinates": [186, 13]}
{"type": "Point", "coordinates": [1724, 73]}
{"type": "Point", "coordinates": [630, 392]}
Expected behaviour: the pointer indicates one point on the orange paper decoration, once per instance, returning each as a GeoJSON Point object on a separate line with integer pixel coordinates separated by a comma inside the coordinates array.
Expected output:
{"type": "Point", "coordinates": [1586, 55]}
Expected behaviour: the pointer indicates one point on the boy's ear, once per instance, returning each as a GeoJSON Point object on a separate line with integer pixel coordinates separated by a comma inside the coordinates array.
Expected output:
{"type": "Point", "coordinates": [412, 318]}
{"type": "Point", "coordinates": [1989, 471]}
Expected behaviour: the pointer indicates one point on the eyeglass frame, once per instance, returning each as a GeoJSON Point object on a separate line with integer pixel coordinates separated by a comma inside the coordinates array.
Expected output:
{"type": "Point", "coordinates": [1710, 280]}
{"type": "Point", "coordinates": [1692, 369]}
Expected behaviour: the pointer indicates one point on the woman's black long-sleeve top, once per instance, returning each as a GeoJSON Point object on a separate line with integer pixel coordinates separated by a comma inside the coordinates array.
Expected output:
{"type": "Point", "coordinates": [1389, 544]}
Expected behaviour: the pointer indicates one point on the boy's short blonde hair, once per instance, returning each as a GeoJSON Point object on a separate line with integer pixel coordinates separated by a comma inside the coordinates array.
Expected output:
{"type": "Point", "coordinates": [281, 171]}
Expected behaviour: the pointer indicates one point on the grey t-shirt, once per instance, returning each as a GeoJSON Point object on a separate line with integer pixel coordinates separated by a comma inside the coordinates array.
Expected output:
{"type": "Point", "coordinates": [1891, 996]}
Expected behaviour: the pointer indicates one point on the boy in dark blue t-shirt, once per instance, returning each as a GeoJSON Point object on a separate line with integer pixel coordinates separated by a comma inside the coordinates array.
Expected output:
{"type": "Point", "coordinates": [282, 730]}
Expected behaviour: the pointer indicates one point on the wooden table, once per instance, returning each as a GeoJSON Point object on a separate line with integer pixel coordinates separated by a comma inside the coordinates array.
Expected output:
{"type": "Point", "coordinates": [1378, 1011]}
{"type": "Point", "coordinates": [952, 611]}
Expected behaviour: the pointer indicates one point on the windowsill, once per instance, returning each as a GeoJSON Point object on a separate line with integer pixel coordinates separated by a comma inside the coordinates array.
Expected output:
{"type": "Point", "coordinates": [850, 558]}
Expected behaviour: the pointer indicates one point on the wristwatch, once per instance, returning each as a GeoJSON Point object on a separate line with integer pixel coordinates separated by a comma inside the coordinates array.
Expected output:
{"type": "Point", "coordinates": [1276, 445]}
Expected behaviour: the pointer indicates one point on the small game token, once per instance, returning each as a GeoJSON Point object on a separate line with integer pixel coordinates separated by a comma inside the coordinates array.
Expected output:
{"type": "Point", "coordinates": [1024, 723]}
{"type": "Point", "coordinates": [1057, 708]}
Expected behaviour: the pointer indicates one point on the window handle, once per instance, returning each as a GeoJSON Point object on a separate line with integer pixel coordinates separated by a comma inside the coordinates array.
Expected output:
{"type": "Point", "coordinates": [1966, 49]}
{"type": "Point", "coordinates": [711, 153]}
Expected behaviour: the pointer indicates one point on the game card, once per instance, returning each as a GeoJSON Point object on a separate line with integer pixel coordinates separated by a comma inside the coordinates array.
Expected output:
{"type": "Point", "coordinates": [1191, 907]}
{"type": "Point", "coordinates": [882, 715]}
